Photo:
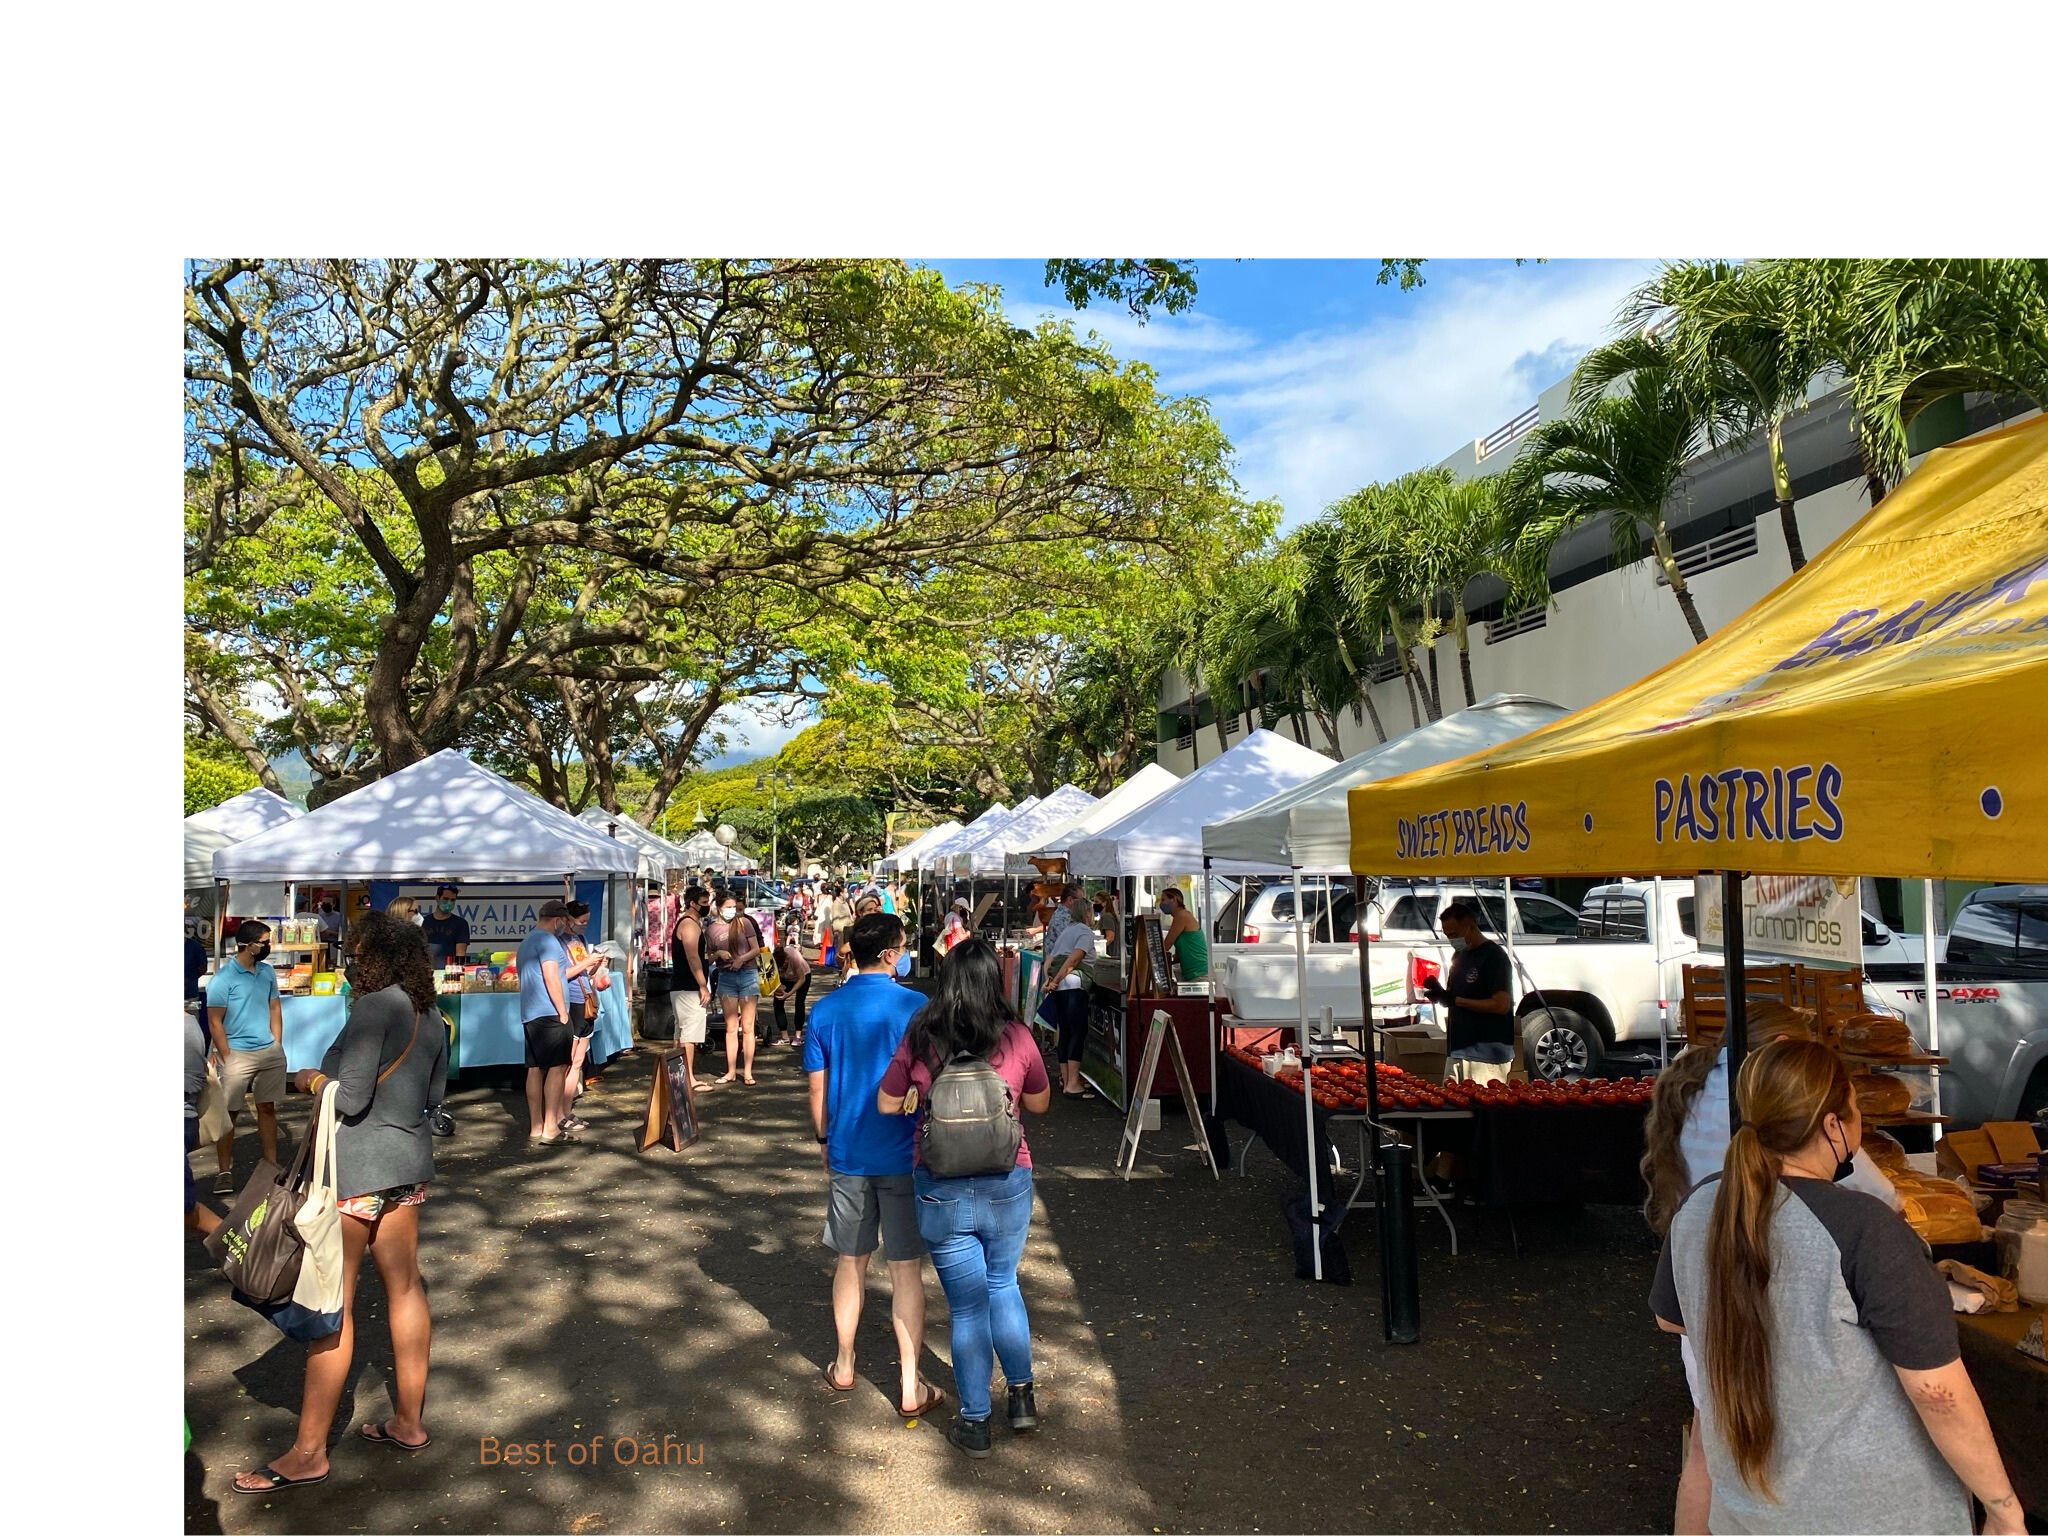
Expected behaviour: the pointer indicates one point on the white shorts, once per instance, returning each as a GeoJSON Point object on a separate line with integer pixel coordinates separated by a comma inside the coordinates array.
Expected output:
{"type": "Point", "coordinates": [1463, 1070]}
{"type": "Point", "coordinates": [689, 1017]}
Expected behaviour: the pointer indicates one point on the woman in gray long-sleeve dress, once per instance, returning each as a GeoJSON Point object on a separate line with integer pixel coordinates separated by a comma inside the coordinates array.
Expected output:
{"type": "Point", "coordinates": [389, 1066]}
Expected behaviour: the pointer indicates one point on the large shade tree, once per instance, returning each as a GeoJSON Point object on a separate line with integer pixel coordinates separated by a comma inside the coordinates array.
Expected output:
{"type": "Point", "coordinates": [479, 441]}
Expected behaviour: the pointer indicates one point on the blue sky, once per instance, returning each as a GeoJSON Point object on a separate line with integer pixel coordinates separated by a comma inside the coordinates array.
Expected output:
{"type": "Point", "coordinates": [1324, 380]}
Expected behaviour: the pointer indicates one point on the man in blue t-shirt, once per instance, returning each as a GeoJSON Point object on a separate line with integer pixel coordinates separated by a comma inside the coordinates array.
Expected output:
{"type": "Point", "coordinates": [245, 1024]}
{"type": "Point", "coordinates": [544, 1011]}
{"type": "Point", "coordinates": [854, 1030]}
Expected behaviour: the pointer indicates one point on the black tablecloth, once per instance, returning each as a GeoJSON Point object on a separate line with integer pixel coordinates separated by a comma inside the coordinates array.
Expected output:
{"type": "Point", "coordinates": [1272, 1112]}
{"type": "Point", "coordinates": [1578, 1154]}
{"type": "Point", "coordinates": [2015, 1393]}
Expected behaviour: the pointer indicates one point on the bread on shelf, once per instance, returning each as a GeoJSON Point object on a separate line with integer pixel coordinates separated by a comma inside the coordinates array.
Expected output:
{"type": "Point", "coordinates": [1880, 1096]}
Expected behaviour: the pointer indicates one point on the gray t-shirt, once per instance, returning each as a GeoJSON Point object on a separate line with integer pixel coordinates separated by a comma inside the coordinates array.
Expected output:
{"type": "Point", "coordinates": [1852, 1296]}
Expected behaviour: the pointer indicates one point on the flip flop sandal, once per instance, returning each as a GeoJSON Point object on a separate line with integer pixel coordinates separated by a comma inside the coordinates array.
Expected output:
{"type": "Point", "coordinates": [827, 1374]}
{"type": "Point", "coordinates": [376, 1434]}
{"type": "Point", "coordinates": [277, 1480]}
{"type": "Point", "coordinates": [933, 1401]}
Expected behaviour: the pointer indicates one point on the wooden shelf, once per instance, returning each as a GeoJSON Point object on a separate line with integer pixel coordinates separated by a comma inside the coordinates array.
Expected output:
{"type": "Point", "coordinates": [1889, 1122]}
{"type": "Point", "coordinates": [1892, 1061]}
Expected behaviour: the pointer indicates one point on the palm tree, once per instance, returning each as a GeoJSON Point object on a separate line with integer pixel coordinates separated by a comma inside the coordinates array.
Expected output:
{"type": "Point", "coordinates": [1379, 572]}
{"type": "Point", "coordinates": [1458, 533]}
{"type": "Point", "coordinates": [1617, 459]}
{"type": "Point", "coordinates": [1741, 342]}
{"type": "Point", "coordinates": [1925, 331]}
{"type": "Point", "coordinates": [1337, 631]}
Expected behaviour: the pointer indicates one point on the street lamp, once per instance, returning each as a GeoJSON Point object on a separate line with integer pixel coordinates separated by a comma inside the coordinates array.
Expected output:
{"type": "Point", "coordinates": [774, 783]}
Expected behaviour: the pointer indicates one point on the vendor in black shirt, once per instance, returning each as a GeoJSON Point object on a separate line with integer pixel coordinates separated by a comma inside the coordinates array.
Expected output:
{"type": "Point", "coordinates": [1478, 994]}
{"type": "Point", "coordinates": [446, 930]}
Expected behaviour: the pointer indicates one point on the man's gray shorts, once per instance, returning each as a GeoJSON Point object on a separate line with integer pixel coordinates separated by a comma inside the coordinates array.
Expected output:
{"type": "Point", "coordinates": [860, 1205]}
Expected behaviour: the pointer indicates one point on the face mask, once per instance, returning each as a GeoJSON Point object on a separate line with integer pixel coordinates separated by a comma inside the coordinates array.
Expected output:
{"type": "Point", "coordinates": [445, 906]}
{"type": "Point", "coordinates": [728, 913]}
{"type": "Point", "coordinates": [261, 952]}
{"type": "Point", "coordinates": [903, 963]}
{"type": "Point", "coordinates": [1846, 1165]}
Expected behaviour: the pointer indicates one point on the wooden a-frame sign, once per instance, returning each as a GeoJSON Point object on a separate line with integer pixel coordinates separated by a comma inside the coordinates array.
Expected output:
{"type": "Point", "coordinates": [1141, 1090]}
{"type": "Point", "coordinates": [671, 1105]}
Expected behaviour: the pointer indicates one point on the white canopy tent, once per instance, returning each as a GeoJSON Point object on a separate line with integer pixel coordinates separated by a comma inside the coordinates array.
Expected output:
{"type": "Point", "coordinates": [230, 822]}
{"type": "Point", "coordinates": [441, 817]}
{"type": "Point", "coordinates": [1141, 788]}
{"type": "Point", "coordinates": [1308, 827]}
{"type": "Point", "coordinates": [1164, 836]}
{"type": "Point", "coordinates": [658, 854]}
{"type": "Point", "coordinates": [984, 854]}
{"type": "Point", "coordinates": [929, 856]}
{"type": "Point", "coordinates": [701, 850]}
{"type": "Point", "coordinates": [905, 856]}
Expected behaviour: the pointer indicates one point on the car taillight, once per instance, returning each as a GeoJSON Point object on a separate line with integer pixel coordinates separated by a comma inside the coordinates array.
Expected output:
{"type": "Point", "coordinates": [1421, 971]}
{"type": "Point", "coordinates": [1352, 936]}
{"type": "Point", "coordinates": [1251, 936]}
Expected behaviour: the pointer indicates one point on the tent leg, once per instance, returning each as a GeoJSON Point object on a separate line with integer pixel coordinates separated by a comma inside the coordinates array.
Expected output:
{"type": "Point", "coordinates": [1657, 959]}
{"type": "Point", "coordinates": [1308, 1099]}
{"type": "Point", "coordinates": [1735, 987]}
{"type": "Point", "coordinates": [1215, 1024]}
{"type": "Point", "coordinates": [1927, 967]}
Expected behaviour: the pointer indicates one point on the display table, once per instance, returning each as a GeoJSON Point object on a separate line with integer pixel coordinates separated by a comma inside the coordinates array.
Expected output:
{"type": "Point", "coordinates": [486, 1030]}
{"type": "Point", "coordinates": [1585, 1154]}
{"type": "Point", "coordinates": [2015, 1393]}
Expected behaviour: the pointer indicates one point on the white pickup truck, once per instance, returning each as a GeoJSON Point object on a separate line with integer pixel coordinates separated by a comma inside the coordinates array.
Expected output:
{"type": "Point", "coordinates": [1991, 989]}
{"type": "Point", "coordinates": [1591, 995]}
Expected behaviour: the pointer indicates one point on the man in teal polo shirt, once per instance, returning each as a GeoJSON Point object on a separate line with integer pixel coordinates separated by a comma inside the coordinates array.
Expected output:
{"type": "Point", "coordinates": [854, 1030]}
{"type": "Point", "coordinates": [245, 1022]}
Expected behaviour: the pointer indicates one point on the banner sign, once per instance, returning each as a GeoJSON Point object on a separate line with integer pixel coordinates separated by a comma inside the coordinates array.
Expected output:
{"type": "Point", "coordinates": [1813, 917]}
{"type": "Point", "coordinates": [499, 916]}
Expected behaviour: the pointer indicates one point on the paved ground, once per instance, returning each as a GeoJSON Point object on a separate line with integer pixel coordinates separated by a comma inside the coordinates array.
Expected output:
{"type": "Point", "coordinates": [1186, 1380]}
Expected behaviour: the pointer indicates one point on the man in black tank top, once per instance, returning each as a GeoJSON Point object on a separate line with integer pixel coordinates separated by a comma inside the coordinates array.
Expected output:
{"type": "Point", "coordinates": [690, 977]}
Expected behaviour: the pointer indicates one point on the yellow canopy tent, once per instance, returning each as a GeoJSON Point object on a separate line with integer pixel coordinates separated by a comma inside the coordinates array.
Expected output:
{"type": "Point", "coordinates": [1882, 712]}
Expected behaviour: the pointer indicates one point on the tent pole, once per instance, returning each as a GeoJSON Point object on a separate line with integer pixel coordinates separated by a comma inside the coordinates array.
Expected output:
{"type": "Point", "coordinates": [1215, 1023]}
{"type": "Point", "coordinates": [220, 919]}
{"type": "Point", "coordinates": [1735, 987]}
{"type": "Point", "coordinates": [1308, 1097]}
{"type": "Point", "coordinates": [1657, 959]}
{"type": "Point", "coordinates": [1927, 970]}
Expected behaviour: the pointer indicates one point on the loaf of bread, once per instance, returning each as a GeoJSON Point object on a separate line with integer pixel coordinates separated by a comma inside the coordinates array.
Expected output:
{"type": "Point", "coordinates": [1939, 1211]}
{"type": "Point", "coordinates": [1877, 1034]}
{"type": "Point", "coordinates": [1885, 1151]}
{"type": "Point", "coordinates": [1879, 1095]}
{"type": "Point", "coordinates": [1772, 1020]}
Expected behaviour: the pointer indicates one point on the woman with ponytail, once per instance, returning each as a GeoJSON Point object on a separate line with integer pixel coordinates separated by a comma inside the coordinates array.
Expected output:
{"type": "Point", "coordinates": [1836, 1398]}
{"type": "Point", "coordinates": [1686, 1140]}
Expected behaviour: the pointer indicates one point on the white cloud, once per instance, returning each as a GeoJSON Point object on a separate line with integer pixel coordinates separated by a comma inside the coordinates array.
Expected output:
{"type": "Point", "coordinates": [1320, 412]}
{"type": "Point", "coordinates": [755, 728]}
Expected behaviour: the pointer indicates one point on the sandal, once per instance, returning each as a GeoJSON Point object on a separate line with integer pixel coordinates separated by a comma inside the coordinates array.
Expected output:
{"type": "Point", "coordinates": [377, 1434]}
{"type": "Point", "coordinates": [934, 1400]}
{"type": "Point", "coordinates": [827, 1373]}
{"type": "Point", "coordinates": [276, 1481]}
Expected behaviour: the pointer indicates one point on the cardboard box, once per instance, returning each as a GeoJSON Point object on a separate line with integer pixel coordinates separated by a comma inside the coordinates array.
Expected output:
{"type": "Point", "coordinates": [2012, 1140]}
{"type": "Point", "coordinates": [1415, 1048]}
{"type": "Point", "coordinates": [1963, 1152]}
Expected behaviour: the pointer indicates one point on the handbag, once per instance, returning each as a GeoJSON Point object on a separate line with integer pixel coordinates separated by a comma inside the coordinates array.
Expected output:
{"type": "Point", "coordinates": [214, 1119]}
{"type": "Point", "coordinates": [257, 1246]}
{"type": "Point", "coordinates": [313, 1310]}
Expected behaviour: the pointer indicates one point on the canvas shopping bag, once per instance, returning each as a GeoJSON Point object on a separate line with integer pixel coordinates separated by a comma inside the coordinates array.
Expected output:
{"type": "Point", "coordinates": [214, 1119]}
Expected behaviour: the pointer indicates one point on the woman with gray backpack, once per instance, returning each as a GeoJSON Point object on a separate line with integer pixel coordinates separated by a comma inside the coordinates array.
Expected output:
{"type": "Point", "coordinates": [972, 1067]}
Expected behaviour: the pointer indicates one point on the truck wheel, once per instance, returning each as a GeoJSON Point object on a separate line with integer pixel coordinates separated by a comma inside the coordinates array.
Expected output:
{"type": "Point", "coordinates": [1557, 1043]}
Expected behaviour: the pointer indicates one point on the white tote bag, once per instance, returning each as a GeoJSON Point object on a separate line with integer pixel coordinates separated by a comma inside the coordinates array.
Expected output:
{"type": "Point", "coordinates": [214, 1120]}
{"type": "Point", "coordinates": [319, 1223]}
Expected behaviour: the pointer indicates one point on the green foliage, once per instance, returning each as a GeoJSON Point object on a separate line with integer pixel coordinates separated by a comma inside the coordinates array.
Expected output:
{"type": "Point", "coordinates": [212, 775]}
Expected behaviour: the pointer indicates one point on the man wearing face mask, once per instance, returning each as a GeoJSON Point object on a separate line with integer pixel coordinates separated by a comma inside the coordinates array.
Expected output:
{"type": "Point", "coordinates": [245, 1022]}
{"type": "Point", "coordinates": [1480, 1043]}
{"type": "Point", "coordinates": [446, 930]}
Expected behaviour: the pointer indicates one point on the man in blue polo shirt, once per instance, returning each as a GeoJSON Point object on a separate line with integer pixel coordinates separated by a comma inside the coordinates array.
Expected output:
{"type": "Point", "coordinates": [245, 1024]}
{"type": "Point", "coordinates": [854, 1030]}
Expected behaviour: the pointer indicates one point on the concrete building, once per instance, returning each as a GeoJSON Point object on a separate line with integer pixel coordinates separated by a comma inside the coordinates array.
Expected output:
{"type": "Point", "coordinates": [1609, 624]}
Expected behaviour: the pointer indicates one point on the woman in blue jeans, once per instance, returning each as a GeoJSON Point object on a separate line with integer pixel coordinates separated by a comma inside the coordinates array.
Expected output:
{"type": "Point", "coordinates": [975, 1227]}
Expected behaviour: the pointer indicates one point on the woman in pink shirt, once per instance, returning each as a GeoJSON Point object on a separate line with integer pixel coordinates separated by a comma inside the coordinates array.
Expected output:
{"type": "Point", "coordinates": [975, 1226]}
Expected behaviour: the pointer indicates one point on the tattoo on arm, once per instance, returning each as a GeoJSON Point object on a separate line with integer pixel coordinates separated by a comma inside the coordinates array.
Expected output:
{"type": "Point", "coordinates": [1935, 1398]}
